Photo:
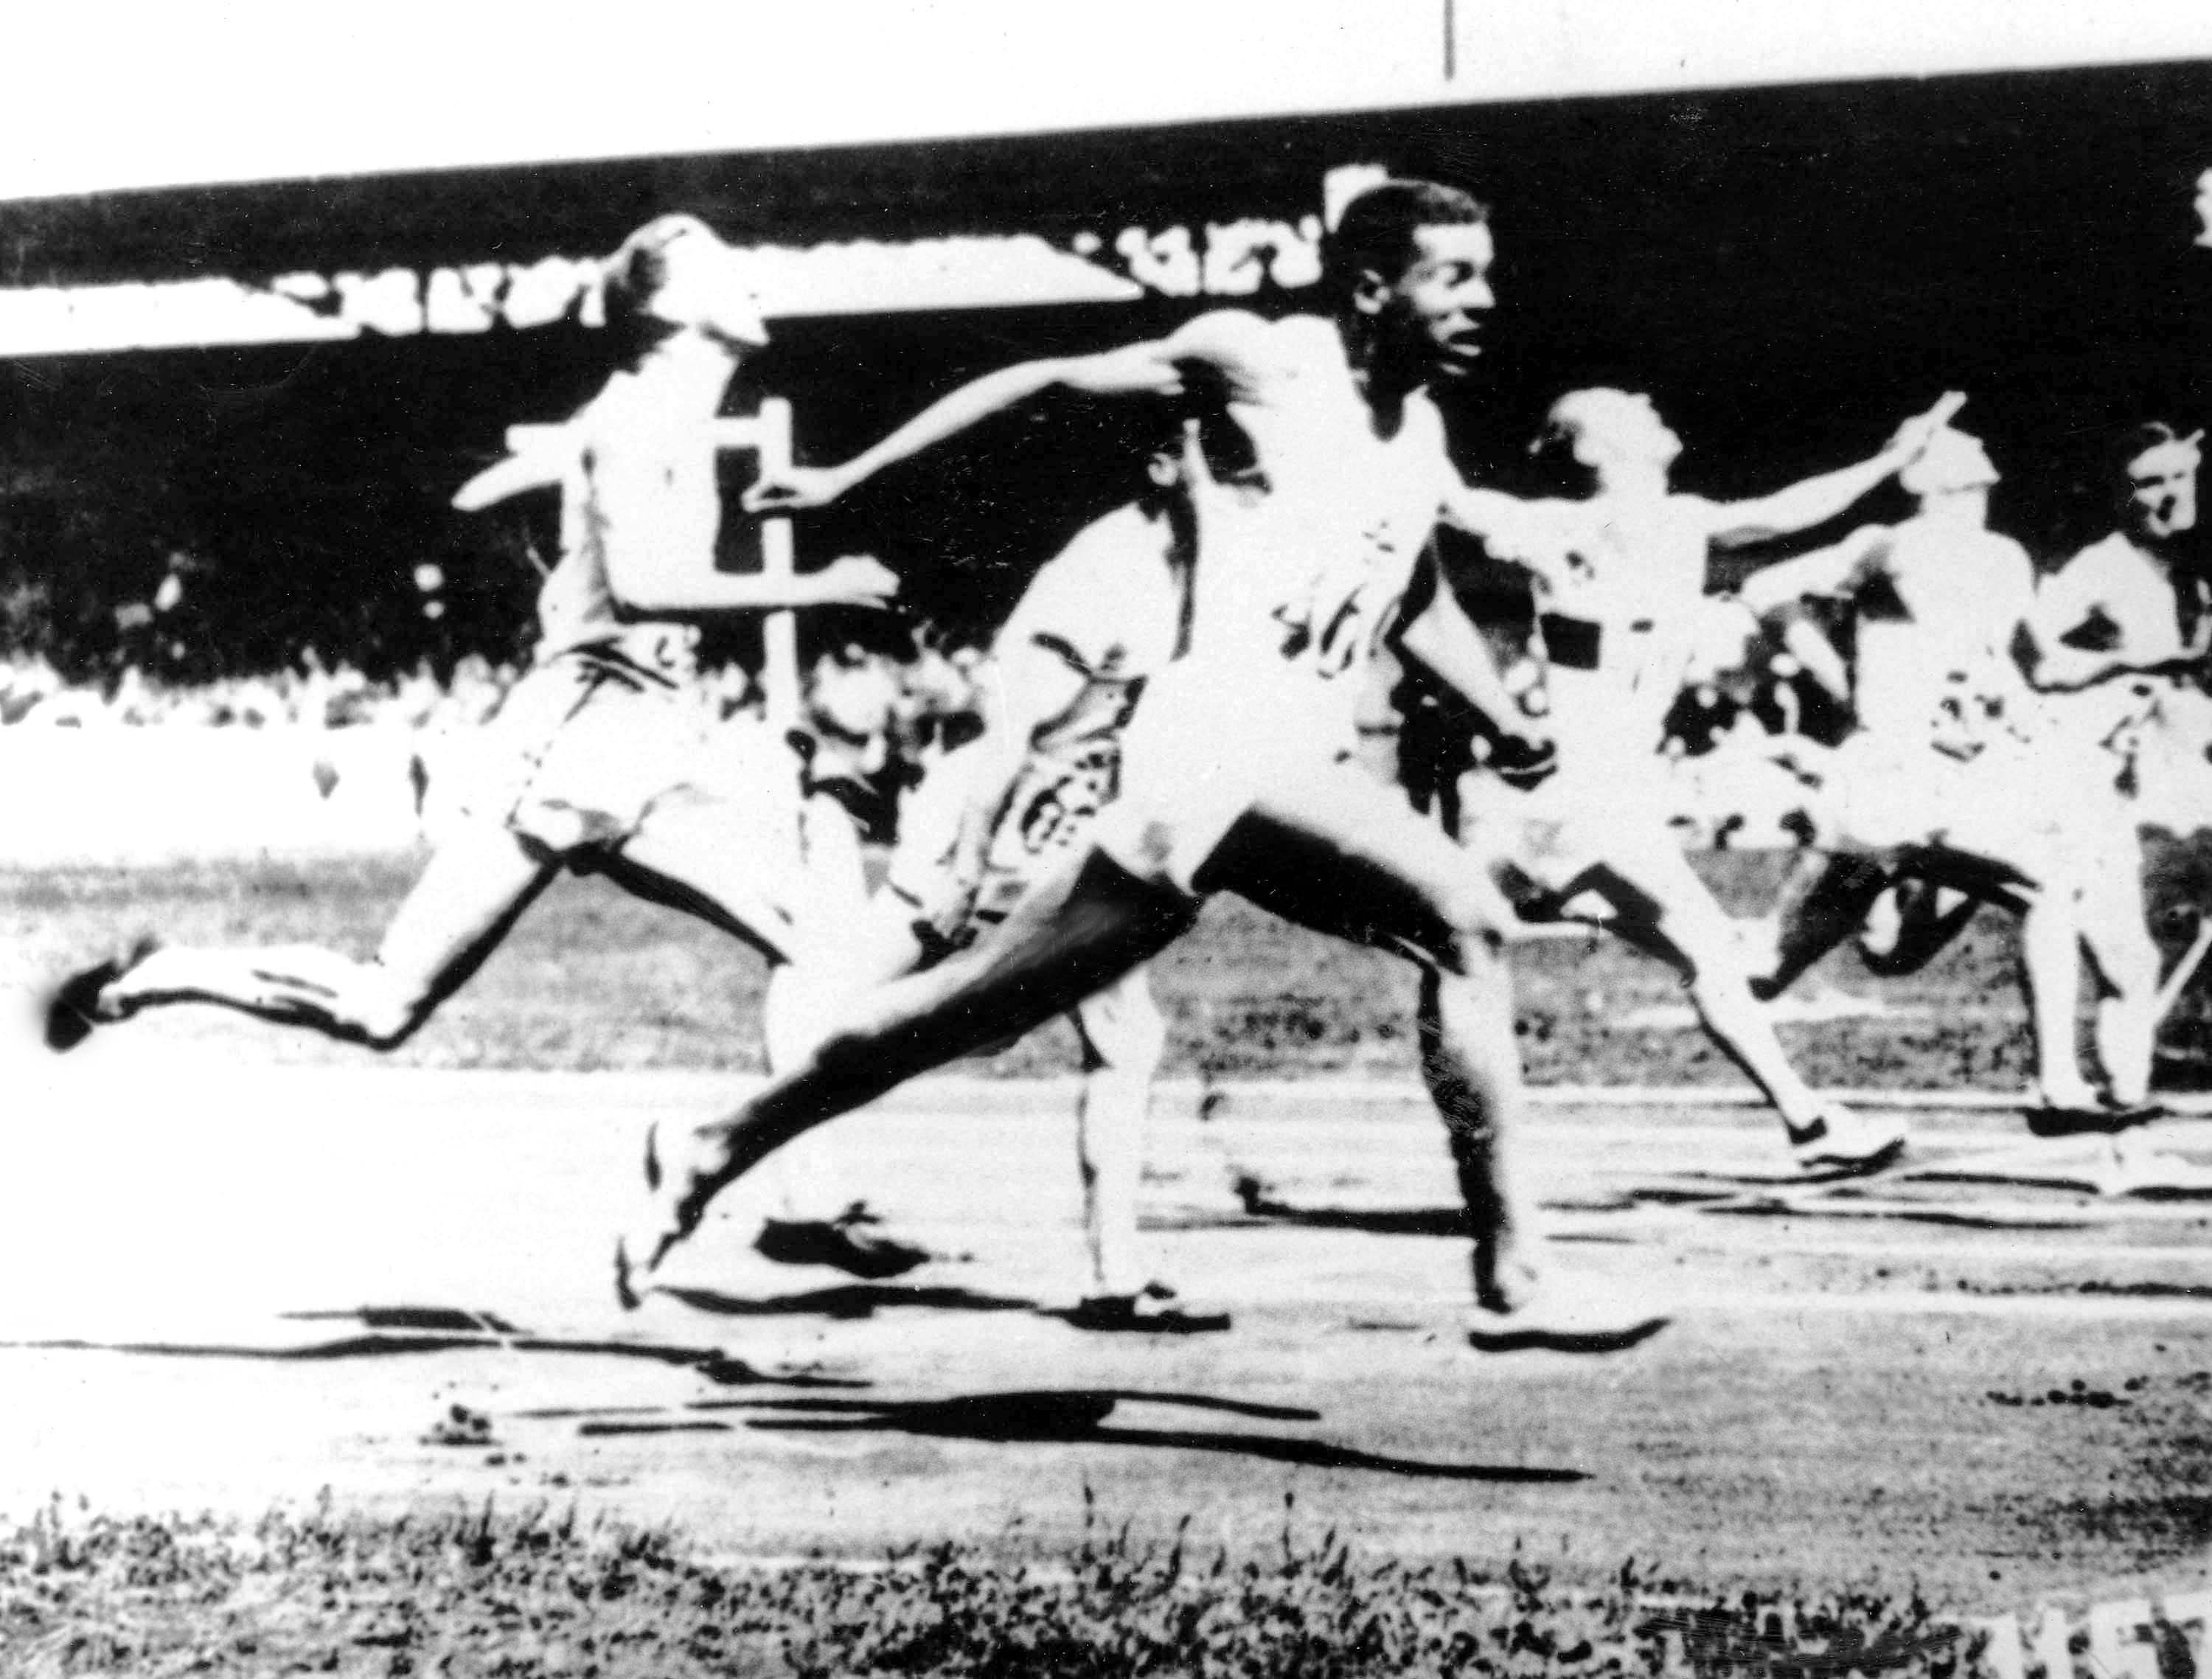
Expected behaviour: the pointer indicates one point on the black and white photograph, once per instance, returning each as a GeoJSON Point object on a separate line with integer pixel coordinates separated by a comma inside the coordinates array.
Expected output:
{"type": "Point", "coordinates": [1338, 838]}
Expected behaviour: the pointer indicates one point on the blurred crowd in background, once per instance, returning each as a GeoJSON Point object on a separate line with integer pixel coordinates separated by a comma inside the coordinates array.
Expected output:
{"type": "Point", "coordinates": [431, 648]}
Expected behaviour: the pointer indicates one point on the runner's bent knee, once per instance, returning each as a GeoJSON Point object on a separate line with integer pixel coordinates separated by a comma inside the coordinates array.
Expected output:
{"type": "Point", "coordinates": [1473, 917]}
{"type": "Point", "coordinates": [389, 1010]}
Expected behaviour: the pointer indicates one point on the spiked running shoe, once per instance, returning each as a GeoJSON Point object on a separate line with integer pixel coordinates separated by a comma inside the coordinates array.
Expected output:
{"type": "Point", "coordinates": [1839, 1143]}
{"type": "Point", "coordinates": [74, 1009]}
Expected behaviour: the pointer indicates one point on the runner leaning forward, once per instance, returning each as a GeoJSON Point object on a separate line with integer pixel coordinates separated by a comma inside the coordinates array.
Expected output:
{"type": "Point", "coordinates": [1238, 771]}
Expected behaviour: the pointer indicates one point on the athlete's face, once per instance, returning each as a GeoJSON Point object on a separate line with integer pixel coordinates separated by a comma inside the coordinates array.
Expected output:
{"type": "Point", "coordinates": [709, 284]}
{"type": "Point", "coordinates": [1441, 298]}
{"type": "Point", "coordinates": [2163, 490]}
{"type": "Point", "coordinates": [1629, 433]}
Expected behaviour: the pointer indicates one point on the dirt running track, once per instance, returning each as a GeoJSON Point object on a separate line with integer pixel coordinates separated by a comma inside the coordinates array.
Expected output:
{"type": "Point", "coordinates": [228, 1287]}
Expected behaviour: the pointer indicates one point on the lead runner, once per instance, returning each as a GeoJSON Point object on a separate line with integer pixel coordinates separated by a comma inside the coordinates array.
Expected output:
{"type": "Point", "coordinates": [1237, 770]}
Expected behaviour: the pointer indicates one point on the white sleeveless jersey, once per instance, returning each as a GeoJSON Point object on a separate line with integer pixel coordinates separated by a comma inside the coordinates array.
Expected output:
{"type": "Point", "coordinates": [1110, 605]}
{"type": "Point", "coordinates": [1299, 572]}
{"type": "Point", "coordinates": [2130, 605]}
{"type": "Point", "coordinates": [1619, 586]}
{"type": "Point", "coordinates": [2139, 608]}
{"type": "Point", "coordinates": [1935, 623]}
{"type": "Point", "coordinates": [574, 605]}
{"type": "Point", "coordinates": [1306, 567]}
{"type": "Point", "coordinates": [638, 477]}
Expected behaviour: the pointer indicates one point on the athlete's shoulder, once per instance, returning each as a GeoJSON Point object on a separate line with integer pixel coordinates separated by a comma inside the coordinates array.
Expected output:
{"type": "Point", "coordinates": [2008, 551]}
{"type": "Point", "coordinates": [1099, 557]}
{"type": "Point", "coordinates": [1520, 529]}
{"type": "Point", "coordinates": [1239, 338]}
{"type": "Point", "coordinates": [614, 404]}
{"type": "Point", "coordinates": [1687, 513]}
{"type": "Point", "coordinates": [1425, 420]}
{"type": "Point", "coordinates": [1940, 543]}
{"type": "Point", "coordinates": [1104, 598]}
{"type": "Point", "coordinates": [1229, 328]}
{"type": "Point", "coordinates": [2111, 549]}
{"type": "Point", "coordinates": [2110, 562]}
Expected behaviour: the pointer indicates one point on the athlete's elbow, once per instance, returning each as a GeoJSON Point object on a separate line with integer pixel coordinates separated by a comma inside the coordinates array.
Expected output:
{"type": "Point", "coordinates": [1746, 533]}
{"type": "Point", "coordinates": [644, 591]}
{"type": "Point", "coordinates": [2045, 667]}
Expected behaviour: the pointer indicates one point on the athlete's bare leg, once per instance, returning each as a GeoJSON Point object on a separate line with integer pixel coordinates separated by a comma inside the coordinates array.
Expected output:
{"type": "Point", "coordinates": [683, 857]}
{"type": "Point", "coordinates": [1824, 902]}
{"type": "Point", "coordinates": [1923, 920]}
{"type": "Point", "coordinates": [1663, 908]}
{"type": "Point", "coordinates": [1824, 908]}
{"type": "Point", "coordinates": [475, 885]}
{"type": "Point", "coordinates": [875, 946]}
{"type": "Point", "coordinates": [1123, 1039]}
{"type": "Point", "coordinates": [1331, 856]}
{"type": "Point", "coordinates": [2125, 963]}
{"type": "Point", "coordinates": [2051, 974]}
{"type": "Point", "coordinates": [801, 914]}
{"type": "Point", "coordinates": [1328, 852]}
{"type": "Point", "coordinates": [1074, 932]}
{"type": "Point", "coordinates": [2033, 876]}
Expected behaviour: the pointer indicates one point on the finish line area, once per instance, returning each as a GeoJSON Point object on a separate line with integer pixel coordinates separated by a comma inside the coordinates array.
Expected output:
{"type": "Point", "coordinates": [234, 1288]}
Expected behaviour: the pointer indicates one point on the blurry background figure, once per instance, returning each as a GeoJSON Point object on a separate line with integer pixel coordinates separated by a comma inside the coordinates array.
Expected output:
{"type": "Point", "coordinates": [1066, 670]}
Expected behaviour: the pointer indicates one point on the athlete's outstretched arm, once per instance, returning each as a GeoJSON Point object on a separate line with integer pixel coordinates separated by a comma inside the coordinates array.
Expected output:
{"type": "Point", "coordinates": [1815, 501]}
{"type": "Point", "coordinates": [540, 468]}
{"type": "Point", "coordinates": [1525, 532]}
{"type": "Point", "coordinates": [856, 580]}
{"type": "Point", "coordinates": [1142, 368]}
{"type": "Point", "coordinates": [1838, 569]}
{"type": "Point", "coordinates": [1153, 368]}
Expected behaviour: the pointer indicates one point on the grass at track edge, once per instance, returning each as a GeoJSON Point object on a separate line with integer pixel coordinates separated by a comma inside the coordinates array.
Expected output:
{"type": "Point", "coordinates": [540, 1592]}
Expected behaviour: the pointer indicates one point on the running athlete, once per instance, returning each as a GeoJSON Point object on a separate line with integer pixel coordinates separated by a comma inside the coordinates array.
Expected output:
{"type": "Point", "coordinates": [1620, 584]}
{"type": "Point", "coordinates": [2136, 603]}
{"type": "Point", "coordinates": [2119, 635]}
{"type": "Point", "coordinates": [2123, 630]}
{"type": "Point", "coordinates": [1949, 777]}
{"type": "Point", "coordinates": [1097, 620]}
{"type": "Point", "coordinates": [610, 757]}
{"type": "Point", "coordinates": [1235, 768]}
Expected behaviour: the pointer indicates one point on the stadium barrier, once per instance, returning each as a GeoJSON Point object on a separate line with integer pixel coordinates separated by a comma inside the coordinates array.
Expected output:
{"type": "Point", "coordinates": [122, 794]}
{"type": "Point", "coordinates": [119, 793]}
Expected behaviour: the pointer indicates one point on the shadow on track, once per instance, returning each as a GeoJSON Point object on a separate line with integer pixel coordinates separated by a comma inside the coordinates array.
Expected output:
{"type": "Point", "coordinates": [399, 1331]}
{"type": "Point", "coordinates": [845, 1300]}
{"type": "Point", "coordinates": [850, 1301]}
{"type": "Point", "coordinates": [1078, 1417]}
{"type": "Point", "coordinates": [1446, 1221]}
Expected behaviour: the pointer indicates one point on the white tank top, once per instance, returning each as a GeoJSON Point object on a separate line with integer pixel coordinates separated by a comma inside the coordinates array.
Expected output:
{"type": "Point", "coordinates": [1109, 605]}
{"type": "Point", "coordinates": [639, 476]}
{"type": "Point", "coordinates": [1307, 567]}
{"type": "Point", "coordinates": [1935, 630]}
